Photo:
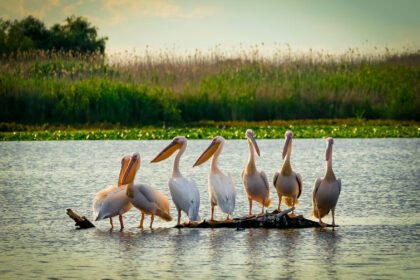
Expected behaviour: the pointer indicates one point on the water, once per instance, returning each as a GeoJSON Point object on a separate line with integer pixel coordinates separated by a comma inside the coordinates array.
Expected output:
{"type": "Point", "coordinates": [378, 213]}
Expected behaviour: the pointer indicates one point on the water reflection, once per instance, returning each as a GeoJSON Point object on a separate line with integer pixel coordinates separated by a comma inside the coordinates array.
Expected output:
{"type": "Point", "coordinates": [37, 240]}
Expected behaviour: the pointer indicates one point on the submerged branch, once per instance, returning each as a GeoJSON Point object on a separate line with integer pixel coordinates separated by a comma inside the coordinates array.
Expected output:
{"type": "Point", "coordinates": [269, 220]}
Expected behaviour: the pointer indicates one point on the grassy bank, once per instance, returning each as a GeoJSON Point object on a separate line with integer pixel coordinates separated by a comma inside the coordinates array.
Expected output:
{"type": "Point", "coordinates": [57, 88]}
{"type": "Point", "coordinates": [349, 128]}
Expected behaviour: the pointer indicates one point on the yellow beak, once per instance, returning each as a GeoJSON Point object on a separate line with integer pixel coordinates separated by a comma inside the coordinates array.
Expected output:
{"type": "Point", "coordinates": [167, 152]}
{"type": "Point", "coordinates": [131, 171]}
{"type": "Point", "coordinates": [124, 163]}
{"type": "Point", "coordinates": [251, 139]}
{"type": "Point", "coordinates": [207, 153]}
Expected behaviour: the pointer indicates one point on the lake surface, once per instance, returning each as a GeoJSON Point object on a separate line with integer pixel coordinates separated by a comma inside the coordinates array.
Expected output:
{"type": "Point", "coordinates": [378, 213]}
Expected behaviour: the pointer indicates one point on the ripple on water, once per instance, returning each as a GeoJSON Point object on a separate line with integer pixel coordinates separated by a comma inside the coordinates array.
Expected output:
{"type": "Point", "coordinates": [378, 212]}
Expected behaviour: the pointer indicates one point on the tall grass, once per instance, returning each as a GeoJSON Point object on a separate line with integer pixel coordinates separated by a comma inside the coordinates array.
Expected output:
{"type": "Point", "coordinates": [164, 86]}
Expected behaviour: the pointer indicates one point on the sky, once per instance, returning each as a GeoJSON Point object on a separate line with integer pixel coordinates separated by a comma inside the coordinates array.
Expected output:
{"type": "Point", "coordinates": [317, 24]}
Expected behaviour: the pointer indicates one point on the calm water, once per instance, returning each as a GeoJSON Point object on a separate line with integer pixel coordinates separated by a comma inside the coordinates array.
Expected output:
{"type": "Point", "coordinates": [378, 213]}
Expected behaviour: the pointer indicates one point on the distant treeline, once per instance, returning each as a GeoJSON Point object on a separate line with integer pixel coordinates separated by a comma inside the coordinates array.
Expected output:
{"type": "Point", "coordinates": [75, 34]}
{"type": "Point", "coordinates": [71, 88]}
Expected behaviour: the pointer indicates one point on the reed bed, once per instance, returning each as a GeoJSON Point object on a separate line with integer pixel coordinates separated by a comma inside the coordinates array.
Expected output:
{"type": "Point", "coordinates": [155, 87]}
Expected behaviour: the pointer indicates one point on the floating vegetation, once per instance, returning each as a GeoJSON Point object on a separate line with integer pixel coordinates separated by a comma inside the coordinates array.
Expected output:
{"type": "Point", "coordinates": [230, 130]}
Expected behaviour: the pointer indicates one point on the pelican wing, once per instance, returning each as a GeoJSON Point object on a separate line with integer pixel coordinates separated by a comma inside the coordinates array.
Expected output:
{"type": "Point", "coordinates": [276, 175]}
{"type": "Point", "coordinates": [185, 196]}
{"type": "Point", "coordinates": [223, 190]}
{"type": "Point", "coordinates": [150, 201]}
{"type": "Point", "coordinates": [339, 186]}
{"type": "Point", "coordinates": [315, 188]}
{"type": "Point", "coordinates": [299, 180]}
{"type": "Point", "coordinates": [112, 204]}
{"type": "Point", "coordinates": [265, 179]}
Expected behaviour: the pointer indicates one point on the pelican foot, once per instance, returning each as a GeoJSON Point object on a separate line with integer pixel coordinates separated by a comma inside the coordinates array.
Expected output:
{"type": "Point", "coordinates": [247, 216]}
{"type": "Point", "coordinates": [292, 215]}
{"type": "Point", "coordinates": [322, 224]}
{"type": "Point", "coordinates": [260, 215]}
{"type": "Point", "coordinates": [334, 225]}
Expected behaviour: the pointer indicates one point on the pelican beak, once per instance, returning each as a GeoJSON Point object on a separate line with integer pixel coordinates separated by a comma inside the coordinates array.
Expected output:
{"type": "Point", "coordinates": [328, 151]}
{"type": "Point", "coordinates": [251, 139]}
{"type": "Point", "coordinates": [286, 146]}
{"type": "Point", "coordinates": [131, 170]}
{"type": "Point", "coordinates": [124, 163]}
{"type": "Point", "coordinates": [168, 151]}
{"type": "Point", "coordinates": [207, 153]}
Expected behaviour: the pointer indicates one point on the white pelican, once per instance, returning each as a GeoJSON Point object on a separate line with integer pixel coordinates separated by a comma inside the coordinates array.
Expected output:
{"type": "Point", "coordinates": [145, 198]}
{"type": "Point", "coordinates": [326, 191]}
{"type": "Point", "coordinates": [184, 192]}
{"type": "Point", "coordinates": [287, 182]}
{"type": "Point", "coordinates": [255, 182]}
{"type": "Point", "coordinates": [112, 201]}
{"type": "Point", "coordinates": [221, 187]}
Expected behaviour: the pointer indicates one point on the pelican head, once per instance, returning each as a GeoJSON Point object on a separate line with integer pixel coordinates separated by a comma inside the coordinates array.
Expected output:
{"type": "Point", "coordinates": [215, 143]}
{"type": "Point", "coordinates": [124, 163]}
{"type": "Point", "coordinates": [288, 136]}
{"type": "Point", "coordinates": [131, 170]}
{"type": "Point", "coordinates": [250, 136]}
{"type": "Point", "coordinates": [328, 153]}
{"type": "Point", "coordinates": [176, 144]}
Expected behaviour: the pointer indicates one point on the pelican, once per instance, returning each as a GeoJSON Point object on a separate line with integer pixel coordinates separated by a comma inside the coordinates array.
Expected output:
{"type": "Point", "coordinates": [145, 198]}
{"type": "Point", "coordinates": [326, 191]}
{"type": "Point", "coordinates": [112, 201]}
{"type": "Point", "coordinates": [255, 182]}
{"type": "Point", "coordinates": [221, 187]}
{"type": "Point", "coordinates": [287, 182]}
{"type": "Point", "coordinates": [184, 192]}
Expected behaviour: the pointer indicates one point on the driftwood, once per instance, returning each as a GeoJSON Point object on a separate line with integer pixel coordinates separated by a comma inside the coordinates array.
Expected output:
{"type": "Point", "coordinates": [268, 220]}
{"type": "Point", "coordinates": [81, 222]}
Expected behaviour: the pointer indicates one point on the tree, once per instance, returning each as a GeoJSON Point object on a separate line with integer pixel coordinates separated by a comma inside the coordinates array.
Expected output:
{"type": "Point", "coordinates": [76, 34]}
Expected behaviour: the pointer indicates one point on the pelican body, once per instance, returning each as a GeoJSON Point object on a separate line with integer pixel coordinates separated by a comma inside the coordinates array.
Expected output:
{"type": "Point", "coordinates": [288, 183]}
{"type": "Point", "coordinates": [326, 191]}
{"type": "Point", "coordinates": [221, 187]}
{"type": "Point", "coordinates": [112, 201]}
{"type": "Point", "coordinates": [184, 192]}
{"type": "Point", "coordinates": [255, 182]}
{"type": "Point", "coordinates": [145, 198]}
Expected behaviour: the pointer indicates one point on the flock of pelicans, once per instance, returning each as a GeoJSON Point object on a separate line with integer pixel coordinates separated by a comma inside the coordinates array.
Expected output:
{"type": "Point", "coordinates": [117, 200]}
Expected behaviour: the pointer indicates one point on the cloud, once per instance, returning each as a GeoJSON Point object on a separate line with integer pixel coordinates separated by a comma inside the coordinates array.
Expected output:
{"type": "Point", "coordinates": [122, 10]}
{"type": "Point", "coordinates": [21, 8]}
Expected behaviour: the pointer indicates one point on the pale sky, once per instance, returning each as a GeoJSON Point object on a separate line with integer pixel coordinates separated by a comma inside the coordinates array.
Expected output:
{"type": "Point", "coordinates": [202, 24]}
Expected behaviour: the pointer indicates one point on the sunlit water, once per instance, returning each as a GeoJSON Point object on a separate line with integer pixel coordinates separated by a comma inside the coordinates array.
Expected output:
{"type": "Point", "coordinates": [378, 213]}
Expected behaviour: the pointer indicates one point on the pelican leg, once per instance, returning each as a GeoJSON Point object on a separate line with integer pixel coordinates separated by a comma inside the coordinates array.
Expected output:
{"type": "Point", "coordinates": [250, 206]}
{"type": "Point", "coordinates": [121, 221]}
{"type": "Point", "coordinates": [250, 209]}
{"type": "Point", "coordinates": [141, 221]}
{"type": "Point", "coordinates": [332, 213]}
{"type": "Point", "coordinates": [110, 221]}
{"type": "Point", "coordinates": [292, 215]}
{"type": "Point", "coordinates": [179, 218]}
{"type": "Point", "coordinates": [227, 217]}
{"type": "Point", "coordinates": [320, 221]}
{"type": "Point", "coordinates": [151, 221]}
{"type": "Point", "coordinates": [278, 208]}
{"type": "Point", "coordinates": [262, 210]}
{"type": "Point", "coordinates": [212, 212]}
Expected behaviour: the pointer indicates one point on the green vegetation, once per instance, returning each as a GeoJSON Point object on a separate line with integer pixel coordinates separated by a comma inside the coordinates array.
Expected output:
{"type": "Point", "coordinates": [159, 87]}
{"type": "Point", "coordinates": [349, 128]}
{"type": "Point", "coordinates": [76, 34]}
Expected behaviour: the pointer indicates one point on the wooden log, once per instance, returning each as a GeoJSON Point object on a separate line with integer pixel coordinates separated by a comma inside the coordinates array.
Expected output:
{"type": "Point", "coordinates": [268, 220]}
{"type": "Point", "coordinates": [81, 222]}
